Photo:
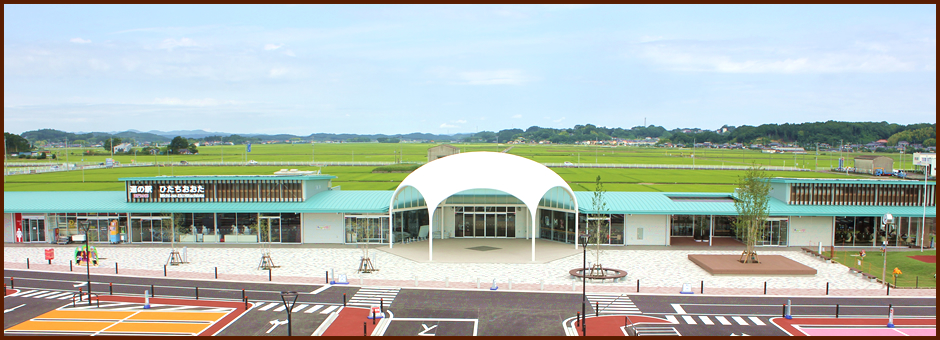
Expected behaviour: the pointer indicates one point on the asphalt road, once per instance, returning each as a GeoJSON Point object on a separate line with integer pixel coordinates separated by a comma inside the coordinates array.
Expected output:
{"type": "Point", "coordinates": [456, 312]}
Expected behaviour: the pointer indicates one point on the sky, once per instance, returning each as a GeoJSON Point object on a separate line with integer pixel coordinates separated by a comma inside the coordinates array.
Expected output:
{"type": "Point", "coordinates": [445, 69]}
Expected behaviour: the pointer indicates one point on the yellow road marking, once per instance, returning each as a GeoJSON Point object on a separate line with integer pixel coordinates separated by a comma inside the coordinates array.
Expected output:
{"type": "Point", "coordinates": [158, 327]}
{"type": "Point", "coordinates": [177, 316]}
{"type": "Point", "coordinates": [75, 326]}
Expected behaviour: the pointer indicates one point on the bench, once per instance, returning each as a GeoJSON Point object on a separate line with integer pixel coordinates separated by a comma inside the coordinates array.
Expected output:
{"type": "Point", "coordinates": [870, 277]}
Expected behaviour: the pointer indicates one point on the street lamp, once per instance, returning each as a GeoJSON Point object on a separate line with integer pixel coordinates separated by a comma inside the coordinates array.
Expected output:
{"type": "Point", "coordinates": [584, 238]}
{"type": "Point", "coordinates": [886, 220]}
{"type": "Point", "coordinates": [84, 225]}
{"type": "Point", "coordinates": [289, 299]}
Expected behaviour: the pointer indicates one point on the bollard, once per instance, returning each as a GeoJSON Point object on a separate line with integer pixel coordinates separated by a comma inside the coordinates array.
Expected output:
{"type": "Point", "coordinates": [146, 299]}
{"type": "Point", "coordinates": [373, 316]}
{"type": "Point", "coordinates": [381, 304]}
{"type": "Point", "coordinates": [364, 329]}
{"type": "Point", "coordinates": [827, 288]}
{"type": "Point", "coordinates": [344, 299]}
{"type": "Point", "coordinates": [70, 265]}
{"type": "Point", "coordinates": [243, 294]}
{"type": "Point", "coordinates": [765, 287]}
{"type": "Point", "coordinates": [784, 310]}
{"type": "Point", "coordinates": [890, 317]}
{"type": "Point", "coordinates": [889, 289]}
{"type": "Point", "coordinates": [637, 285]}
{"type": "Point", "coordinates": [789, 313]}
{"type": "Point", "coordinates": [197, 293]}
{"type": "Point", "coordinates": [702, 290]}
{"type": "Point", "coordinates": [115, 268]}
{"type": "Point", "coordinates": [837, 311]}
{"type": "Point", "coordinates": [27, 263]}
{"type": "Point", "coordinates": [79, 295]}
{"type": "Point", "coordinates": [110, 288]}
{"type": "Point", "coordinates": [246, 303]}
{"type": "Point", "coordinates": [269, 274]}
{"type": "Point", "coordinates": [164, 270]}
{"type": "Point", "coordinates": [216, 272]}
{"type": "Point", "coordinates": [327, 277]}
{"type": "Point", "coordinates": [577, 321]}
{"type": "Point", "coordinates": [152, 291]}
{"type": "Point", "coordinates": [597, 308]}
{"type": "Point", "coordinates": [11, 283]}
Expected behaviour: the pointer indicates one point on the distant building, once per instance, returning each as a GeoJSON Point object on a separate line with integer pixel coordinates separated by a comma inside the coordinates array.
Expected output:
{"type": "Point", "coordinates": [790, 149]}
{"type": "Point", "coordinates": [868, 164]}
{"type": "Point", "coordinates": [123, 147]}
{"type": "Point", "coordinates": [441, 151]}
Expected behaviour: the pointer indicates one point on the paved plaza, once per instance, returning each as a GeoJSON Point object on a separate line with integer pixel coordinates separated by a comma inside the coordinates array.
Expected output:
{"type": "Point", "coordinates": [659, 269]}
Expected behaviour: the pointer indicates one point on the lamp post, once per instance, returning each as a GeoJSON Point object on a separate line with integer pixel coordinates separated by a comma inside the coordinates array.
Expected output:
{"type": "Point", "coordinates": [289, 299]}
{"type": "Point", "coordinates": [584, 239]}
{"type": "Point", "coordinates": [84, 226]}
{"type": "Point", "coordinates": [886, 220]}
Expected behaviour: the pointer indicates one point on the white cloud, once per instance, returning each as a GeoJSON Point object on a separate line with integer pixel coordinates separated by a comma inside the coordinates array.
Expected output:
{"type": "Point", "coordinates": [447, 126]}
{"type": "Point", "coordinates": [497, 77]}
{"type": "Point", "coordinates": [170, 44]}
{"type": "Point", "coordinates": [271, 47]}
{"type": "Point", "coordinates": [559, 120]}
{"type": "Point", "coordinates": [517, 116]}
{"type": "Point", "coordinates": [277, 72]}
{"type": "Point", "coordinates": [461, 121]}
{"type": "Point", "coordinates": [80, 41]}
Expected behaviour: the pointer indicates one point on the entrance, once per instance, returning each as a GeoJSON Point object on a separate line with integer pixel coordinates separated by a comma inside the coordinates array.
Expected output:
{"type": "Point", "coordinates": [273, 226]}
{"type": "Point", "coordinates": [487, 221]}
{"type": "Point", "coordinates": [775, 233]}
{"type": "Point", "coordinates": [97, 227]}
{"type": "Point", "coordinates": [36, 229]}
{"type": "Point", "coordinates": [148, 229]}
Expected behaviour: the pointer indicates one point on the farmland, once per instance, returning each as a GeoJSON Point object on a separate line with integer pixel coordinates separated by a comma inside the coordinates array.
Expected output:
{"type": "Point", "coordinates": [362, 178]}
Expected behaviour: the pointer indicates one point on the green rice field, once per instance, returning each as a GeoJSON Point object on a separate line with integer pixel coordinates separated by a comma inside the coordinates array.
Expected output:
{"type": "Point", "coordinates": [362, 178]}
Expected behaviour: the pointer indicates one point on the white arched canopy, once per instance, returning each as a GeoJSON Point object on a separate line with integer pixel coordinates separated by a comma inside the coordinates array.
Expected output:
{"type": "Point", "coordinates": [520, 177]}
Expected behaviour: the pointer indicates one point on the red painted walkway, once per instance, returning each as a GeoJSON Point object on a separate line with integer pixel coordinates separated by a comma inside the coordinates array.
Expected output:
{"type": "Point", "coordinates": [349, 323]}
{"type": "Point", "coordinates": [789, 325]}
{"type": "Point", "coordinates": [610, 325]}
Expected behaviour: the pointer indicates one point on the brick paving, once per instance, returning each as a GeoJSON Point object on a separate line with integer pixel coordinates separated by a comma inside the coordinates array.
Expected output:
{"type": "Point", "coordinates": [659, 271]}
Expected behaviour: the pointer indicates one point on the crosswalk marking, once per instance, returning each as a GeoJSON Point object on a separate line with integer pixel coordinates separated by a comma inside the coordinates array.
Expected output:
{"type": "Point", "coordinates": [55, 296]}
{"type": "Point", "coordinates": [613, 304]}
{"type": "Point", "coordinates": [739, 320]}
{"type": "Point", "coordinates": [722, 320]}
{"type": "Point", "coordinates": [313, 309]}
{"type": "Point", "coordinates": [45, 294]}
{"type": "Point", "coordinates": [66, 296]}
{"type": "Point", "coordinates": [22, 292]}
{"type": "Point", "coordinates": [689, 320]}
{"type": "Point", "coordinates": [37, 292]}
{"type": "Point", "coordinates": [368, 296]}
{"type": "Point", "coordinates": [672, 318]}
{"type": "Point", "coordinates": [756, 321]}
{"type": "Point", "coordinates": [655, 330]}
{"type": "Point", "coordinates": [706, 320]}
{"type": "Point", "coordinates": [268, 306]}
{"type": "Point", "coordinates": [327, 310]}
{"type": "Point", "coordinates": [298, 308]}
{"type": "Point", "coordinates": [280, 308]}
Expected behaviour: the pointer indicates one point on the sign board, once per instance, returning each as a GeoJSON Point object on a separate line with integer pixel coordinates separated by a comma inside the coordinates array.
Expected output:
{"type": "Point", "coordinates": [50, 254]}
{"type": "Point", "coordinates": [686, 288]}
{"type": "Point", "coordinates": [18, 234]}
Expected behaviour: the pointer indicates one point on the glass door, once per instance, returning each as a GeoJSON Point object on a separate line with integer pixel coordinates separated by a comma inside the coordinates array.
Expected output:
{"type": "Point", "coordinates": [37, 230]}
{"type": "Point", "coordinates": [490, 224]}
{"type": "Point", "coordinates": [271, 229]}
{"type": "Point", "coordinates": [479, 223]}
{"type": "Point", "coordinates": [501, 225]}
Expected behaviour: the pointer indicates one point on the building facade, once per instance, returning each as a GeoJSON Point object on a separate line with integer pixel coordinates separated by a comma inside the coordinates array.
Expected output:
{"type": "Point", "coordinates": [465, 196]}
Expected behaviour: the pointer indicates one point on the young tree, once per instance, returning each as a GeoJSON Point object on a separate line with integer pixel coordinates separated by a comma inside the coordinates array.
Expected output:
{"type": "Point", "coordinates": [178, 143]}
{"type": "Point", "coordinates": [110, 143]}
{"type": "Point", "coordinates": [598, 225]}
{"type": "Point", "coordinates": [751, 203]}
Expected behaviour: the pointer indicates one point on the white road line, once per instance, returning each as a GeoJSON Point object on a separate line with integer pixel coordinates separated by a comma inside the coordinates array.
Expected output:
{"type": "Point", "coordinates": [689, 320]}
{"type": "Point", "coordinates": [320, 290]}
{"type": "Point", "coordinates": [45, 294]}
{"type": "Point", "coordinates": [272, 304]}
{"type": "Point", "coordinates": [313, 309]}
{"type": "Point", "coordinates": [722, 320]}
{"type": "Point", "coordinates": [678, 308]}
{"type": "Point", "coordinates": [756, 321]}
{"type": "Point", "coordinates": [706, 320]}
{"type": "Point", "coordinates": [69, 296]}
{"type": "Point", "coordinates": [54, 296]}
{"type": "Point", "coordinates": [20, 293]}
{"type": "Point", "coordinates": [280, 308]}
{"type": "Point", "coordinates": [298, 308]}
{"type": "Point", "coordinates": [34, 293]}
{"type": "Point", "coordinates": [327, 310]}
{"type": "Point", "coordinates": [740, 320]}
{"type": "Point", "coordinates": [672, 318]}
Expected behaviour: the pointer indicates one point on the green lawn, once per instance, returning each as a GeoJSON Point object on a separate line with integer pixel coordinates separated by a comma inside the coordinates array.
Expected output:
{"type": "Point", "coordinates": [914, 272]}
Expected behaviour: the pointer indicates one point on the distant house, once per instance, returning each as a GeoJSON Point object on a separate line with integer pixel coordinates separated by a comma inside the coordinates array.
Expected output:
{"type": "Point", "coordinates": [868, 164]}
{"type": "Point", "coordinates": [441, 151]}
{"type": "Point", "coordinates": [790, 149]}
{"type": "Point", "coordinates": [123, 147]}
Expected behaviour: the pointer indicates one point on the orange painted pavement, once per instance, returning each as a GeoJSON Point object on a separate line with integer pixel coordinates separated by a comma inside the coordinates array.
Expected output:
{"type": "Point", "coordinates": [85, 315]}
{"type": "Point", "coordinates": [65, 326]}
{"type": "Point", "coordinates": [159, 327]}
{"type": "Point", "coordinates": [349, 322]}
{"type": "Point", "coordinates": [177, 316]}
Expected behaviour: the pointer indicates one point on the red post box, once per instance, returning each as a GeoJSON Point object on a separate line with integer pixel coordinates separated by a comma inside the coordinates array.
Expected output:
{"type": "Point", "coordinates": [50, 255]}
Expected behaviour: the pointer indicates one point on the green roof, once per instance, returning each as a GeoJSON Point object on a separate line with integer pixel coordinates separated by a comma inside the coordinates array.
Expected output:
{"type": "Point", "coordinates": [228, 178]}
{"type": "Point", "coordinates": [335, 201]}
{"type": "Point", "coordinates": [656, 203]}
